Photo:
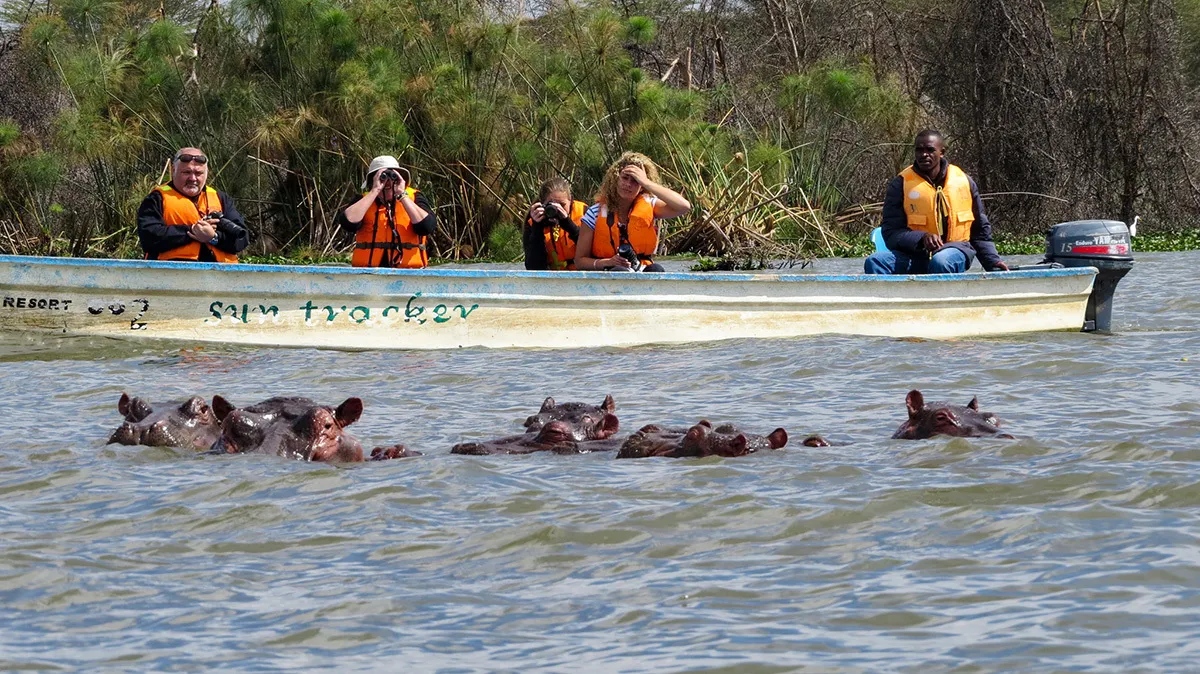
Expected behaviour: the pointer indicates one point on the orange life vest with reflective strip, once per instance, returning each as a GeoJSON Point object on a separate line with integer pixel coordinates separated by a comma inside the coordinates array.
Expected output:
{"type": "Point", "coordinates": [928, 207]}
{"type": "Point", "coordinates": [374, 245]}
{"type": "Point", "coordinates": [560, 249]}
{"type": "Point", "coordinates": [643, 235]}
{"type": "Point", "coordinates": [180, 211]}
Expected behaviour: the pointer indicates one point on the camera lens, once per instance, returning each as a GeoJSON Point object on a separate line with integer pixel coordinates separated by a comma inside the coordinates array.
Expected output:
{"type": "Point", "coordinates": [626, 251]}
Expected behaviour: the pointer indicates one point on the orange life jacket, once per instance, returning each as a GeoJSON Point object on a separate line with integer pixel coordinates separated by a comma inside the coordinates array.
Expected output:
{"type": "Point", "coordinates": [643, 235]}
{"type": "Point", "coordinates": [560, 249]}
{"type": "Point", "coordinates": [374, 245]}
{"type": "Point", "coordinates": [180, 211]}
{"type": "Point", "coordinates": [928, 206]}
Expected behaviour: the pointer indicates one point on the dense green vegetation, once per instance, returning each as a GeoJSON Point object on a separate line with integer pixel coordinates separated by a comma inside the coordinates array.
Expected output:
{"type": "Point", "coordinates": [780, 120]}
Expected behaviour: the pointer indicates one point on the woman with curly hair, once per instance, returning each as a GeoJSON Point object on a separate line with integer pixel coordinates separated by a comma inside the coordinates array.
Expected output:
{"type": "Point", "coordinates": [620, 231]}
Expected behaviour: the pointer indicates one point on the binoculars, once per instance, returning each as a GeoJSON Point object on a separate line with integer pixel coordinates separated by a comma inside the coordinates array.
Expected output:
{"type": "Point", "coordinates": [394, 175]}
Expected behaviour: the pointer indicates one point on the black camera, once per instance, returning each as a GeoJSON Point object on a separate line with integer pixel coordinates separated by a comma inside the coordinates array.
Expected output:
{"type": "Point", "coordinates": [214, 215]}
{"type": "Point", "coordinates": [626, 251]}
{"type": "Point", "coordinates": [552, 216]}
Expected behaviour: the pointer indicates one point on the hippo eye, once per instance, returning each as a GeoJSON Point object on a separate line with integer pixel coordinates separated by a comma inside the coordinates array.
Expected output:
{"type": "Point", "coordinates": [946, 418]}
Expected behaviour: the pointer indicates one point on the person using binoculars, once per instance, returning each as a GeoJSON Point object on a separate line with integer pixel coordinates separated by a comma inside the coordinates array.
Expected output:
{"type": "Point", "coordinates": [392, 221]}
{"type": "Point", "coordinates": [552, 229]}
{"type": "Point", "coordinates": [186, 219]}
{"type": "Point", "coordinates": [620, 231]}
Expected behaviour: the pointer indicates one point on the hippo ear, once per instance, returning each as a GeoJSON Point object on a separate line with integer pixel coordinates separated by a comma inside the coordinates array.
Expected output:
{"type": "Point", "coordinates": [915, 402]}
{"type": "Point", "coordinates": [136, 410]}
{"type": "Point", "coordinates": [777, 438]}
{"type": "Point", "coordinates": [221, 407]}
{"type": "Point", "coordinates": [548, 405]}
{"type": "Point", "coordinates": [609, 405]}
{"type": "Point", "coordinates": [609, 425]}
{"type": "Point", "coordinates": [974, 404]}
{"type": "Point", "coordinates": [704, 422]}
{"type": "Point", "coordinates": [349, 411]}
{"type": "Point", "coordinates": [123, 404]}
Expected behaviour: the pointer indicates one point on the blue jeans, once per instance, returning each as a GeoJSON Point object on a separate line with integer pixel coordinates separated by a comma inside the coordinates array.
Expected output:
{"type": "Point", "coordinates": [945, 261]}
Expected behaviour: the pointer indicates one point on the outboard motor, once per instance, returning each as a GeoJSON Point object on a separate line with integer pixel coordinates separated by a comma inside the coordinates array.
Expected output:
{"type": "Point", "coordinates": [1103, 244]}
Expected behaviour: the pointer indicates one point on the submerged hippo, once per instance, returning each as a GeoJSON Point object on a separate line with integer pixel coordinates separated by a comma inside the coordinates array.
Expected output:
{"type": "Point", "coordinates": [292, 427]}
{"type": "Point", "coordinates": [191, 424]}
{"type": "Point", "coordinates": [928, 420]}
{"type": "Point", "coordinates": [701, 439]}
{"type": "Point", "coordinates": [393, 452]}
{"type": "Point", "coordinates": [586, 422]}
{"type": "Point", "coordinates": [553, 436]}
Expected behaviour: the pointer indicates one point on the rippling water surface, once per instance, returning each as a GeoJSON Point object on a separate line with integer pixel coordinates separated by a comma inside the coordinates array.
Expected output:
{"type": "Point", "coordinates": [1072, 548]}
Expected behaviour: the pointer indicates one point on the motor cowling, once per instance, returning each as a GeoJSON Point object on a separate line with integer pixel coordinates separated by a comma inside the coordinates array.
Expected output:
{"type": "Point", "coordinates": [1103, 244]}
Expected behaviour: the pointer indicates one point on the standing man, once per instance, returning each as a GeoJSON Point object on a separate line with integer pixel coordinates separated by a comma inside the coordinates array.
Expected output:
{"type": "Point", "coordinates": [185, 219]}
{"type": "Point", "coordinates": [933, 220]}
{"type": "Point", "coordinates": [391, 221]}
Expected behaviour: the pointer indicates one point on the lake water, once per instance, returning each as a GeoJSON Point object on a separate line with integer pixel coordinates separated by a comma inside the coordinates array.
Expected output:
{"type": "Point", "coordinates": [1073, 548]}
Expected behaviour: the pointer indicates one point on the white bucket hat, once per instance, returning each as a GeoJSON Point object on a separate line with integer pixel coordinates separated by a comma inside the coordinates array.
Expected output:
{"type": "Point", "coordinates": [385, 161]}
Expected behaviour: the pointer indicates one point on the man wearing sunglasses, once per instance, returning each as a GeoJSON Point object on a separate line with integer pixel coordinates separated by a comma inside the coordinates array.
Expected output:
{"type": "Point", "coordinates": [186, 219]}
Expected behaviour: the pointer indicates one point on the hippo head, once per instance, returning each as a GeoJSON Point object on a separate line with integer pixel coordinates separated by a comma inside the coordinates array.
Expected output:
{"type": "Point", "coordinates": [294, 428]}
{"type": "Point", "coordinates": [651, 440]}
{"type": "Point", "coordinates": [727, 440]}
{"type": "Point", "coordinates": [554, 436]}
{"type": "Point", "coordinates": [587, 422]}
{"type": "Point", "coordinates": [928, 420]}
{"type": "Point", "coordinates": [320, 437]}
{"type": "Point", "coordinates": [189, 424]}
{"type": "Point", "coordinates": [397, 451]}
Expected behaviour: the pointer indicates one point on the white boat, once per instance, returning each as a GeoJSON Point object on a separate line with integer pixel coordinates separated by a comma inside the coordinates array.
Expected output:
{"type": "Point", "coordinates": [347, 308]}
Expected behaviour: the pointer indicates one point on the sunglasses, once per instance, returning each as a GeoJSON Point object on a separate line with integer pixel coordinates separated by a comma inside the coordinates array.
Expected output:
{"type": "Point", "coordinates": [192, 158]}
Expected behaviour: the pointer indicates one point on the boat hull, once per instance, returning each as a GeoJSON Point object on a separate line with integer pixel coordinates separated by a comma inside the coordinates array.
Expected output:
{"type": "Point", "coordinates": [345, 308]}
